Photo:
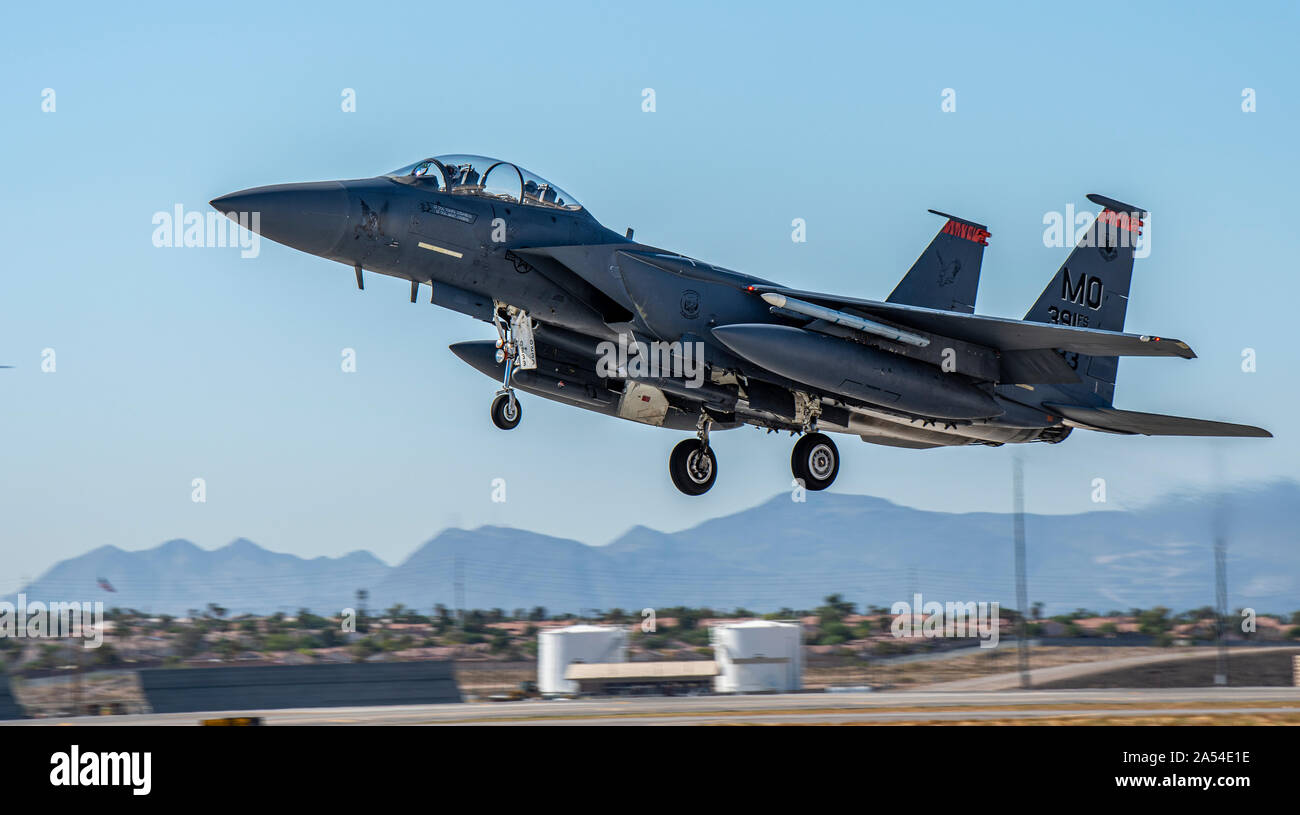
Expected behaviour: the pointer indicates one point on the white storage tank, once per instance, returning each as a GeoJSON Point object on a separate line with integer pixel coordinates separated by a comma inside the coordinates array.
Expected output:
{"type": "Point", "coordinates": [557, 648]}
{"type": "Point", "coordinates": [759, 656]}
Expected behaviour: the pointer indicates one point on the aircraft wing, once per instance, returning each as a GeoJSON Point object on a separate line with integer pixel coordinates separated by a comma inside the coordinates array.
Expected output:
{"type": "Point", "coordinates": [1001, 333]}
{"type": "Point", "coordinates": [1152, 424]}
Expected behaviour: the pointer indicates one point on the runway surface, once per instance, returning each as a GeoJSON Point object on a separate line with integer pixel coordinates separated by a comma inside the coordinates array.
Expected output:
{"type": "Point", "coordinates": [802, 708]}
{"type": "Point", "coordinates": [1075, 670]}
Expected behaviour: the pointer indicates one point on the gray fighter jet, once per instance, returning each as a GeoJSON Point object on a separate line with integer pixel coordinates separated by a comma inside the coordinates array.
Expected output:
{"type": "Point", "coordinates": [593, 319]}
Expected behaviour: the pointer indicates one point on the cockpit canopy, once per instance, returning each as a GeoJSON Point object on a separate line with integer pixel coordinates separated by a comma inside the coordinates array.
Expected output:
{"type": "Point", "coordinates": [487, 178]}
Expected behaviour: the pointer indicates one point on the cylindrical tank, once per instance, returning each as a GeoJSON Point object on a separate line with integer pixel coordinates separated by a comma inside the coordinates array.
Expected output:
{"type": "Point", "coordinates": [557, 648]}
{"type": "Point", "coordinates": [759, 656]}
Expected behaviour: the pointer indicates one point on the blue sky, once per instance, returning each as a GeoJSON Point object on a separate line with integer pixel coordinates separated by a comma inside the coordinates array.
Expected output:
{"type": "Point", "coordinates": [174, 364]}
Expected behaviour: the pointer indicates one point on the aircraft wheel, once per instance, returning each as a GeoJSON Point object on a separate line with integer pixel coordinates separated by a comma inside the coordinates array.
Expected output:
{"type": "Point", "coordinates": [815, 460]}
{"type": "Point", "coordinates": [693, 470]}
{"type": "Point", "coordinates": [506, 411]}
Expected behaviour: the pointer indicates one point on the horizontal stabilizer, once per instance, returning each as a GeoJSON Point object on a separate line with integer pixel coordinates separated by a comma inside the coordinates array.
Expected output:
{"type": "Point", "coordinates": [1153, 424]}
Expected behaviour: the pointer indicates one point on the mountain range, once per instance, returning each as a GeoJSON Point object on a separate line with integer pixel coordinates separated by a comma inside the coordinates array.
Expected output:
{"type": "Point", "coordinates": [779, 554]}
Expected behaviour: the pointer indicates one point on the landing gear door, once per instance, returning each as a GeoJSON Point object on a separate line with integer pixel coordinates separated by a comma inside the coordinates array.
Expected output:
{"type": "Point", "coordinates": [524, 344]}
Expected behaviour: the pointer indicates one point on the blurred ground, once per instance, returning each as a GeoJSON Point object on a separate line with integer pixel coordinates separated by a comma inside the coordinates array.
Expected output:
{"type": "Point", "coordinates": [1198, 705]}
{"type": "Point", "coordinates": [1055, 667]}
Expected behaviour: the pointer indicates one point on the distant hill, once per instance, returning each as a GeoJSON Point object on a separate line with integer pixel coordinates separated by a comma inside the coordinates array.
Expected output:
{"type": "Point", "coordinates": [777, 554]}
{"type": "Point", "coordinates": [177, 576]}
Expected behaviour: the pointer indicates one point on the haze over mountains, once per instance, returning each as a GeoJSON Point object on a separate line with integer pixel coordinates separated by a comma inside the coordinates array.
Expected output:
{"type": "Point", "coordinates": [777, 554]}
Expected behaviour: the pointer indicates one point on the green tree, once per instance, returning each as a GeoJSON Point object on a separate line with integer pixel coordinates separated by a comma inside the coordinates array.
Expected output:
{"type": "Point", "coordinates": [190, 641]}
{"type": "Point", "coordinates": [500, 642]}
{"type": "Point", "coordinates": [688, 618]}
{"type": "Point", "coordinates": [365, 647]}
{"type": "Point", "coordinates": [280, 641]}
{"type": "Point", "coordinates": [830, 621]}
{"type": "Point", "coordinates": [834, 633]}
{"type": "Point", "coordinates": [106, 656]}
{"type": "Point", "coordinates": [308, 620]}
{"type": "Point", "coordinates": [834, 609]}
{"type": "Point", "coordinates": [228, 649]}
{"type": "Point", "coordinates": [1154, 622]}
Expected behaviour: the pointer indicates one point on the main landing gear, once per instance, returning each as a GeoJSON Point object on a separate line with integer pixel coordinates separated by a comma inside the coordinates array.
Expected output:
{"type": "Point", "coordinates": [815, 461]}
{"type": "Point", "coordinates": [516, 349]}
{"type": "Point", "coordinates": [692, 465]}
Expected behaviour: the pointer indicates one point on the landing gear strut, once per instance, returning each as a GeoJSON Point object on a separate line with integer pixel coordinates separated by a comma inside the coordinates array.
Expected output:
{"type": "Point", "coordinates": [815, 461]}
{"type": "Point", "coordinates": [692, 465]}
{"type": "Point", "coordinates": [515, 348]}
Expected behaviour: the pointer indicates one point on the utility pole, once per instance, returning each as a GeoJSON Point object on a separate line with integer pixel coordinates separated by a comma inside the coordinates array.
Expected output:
{"type": "Point", "coordinates": [459, 586]}
{"type": "Point", "coordinates": [1221, 608]}
{"type": "Point", "coordinates": [1219, 525]}
{"type": "Point", "coordinates": [78, 693]}
{"type": "Point", "coordinates": [1022, 591]}
{"type": "Point", "coordinates": [1220, 593]}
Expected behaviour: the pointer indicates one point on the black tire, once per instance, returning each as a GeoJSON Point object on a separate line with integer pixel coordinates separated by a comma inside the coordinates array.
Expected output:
{"type": "Point", "coordinates": [691, 473]}
{"type": "Point", "coordinates": [815, 461]}
{"type": "Point", "coordinates": [506, 411]}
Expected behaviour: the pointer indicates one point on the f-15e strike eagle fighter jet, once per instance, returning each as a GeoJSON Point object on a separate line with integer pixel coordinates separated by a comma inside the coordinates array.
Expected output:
{"type": "Point", "coordinates": [596, 320]}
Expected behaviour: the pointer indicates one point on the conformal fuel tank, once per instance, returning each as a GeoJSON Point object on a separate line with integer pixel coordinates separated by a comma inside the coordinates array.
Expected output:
{"type": "Point", "coordinates": [857, 371]}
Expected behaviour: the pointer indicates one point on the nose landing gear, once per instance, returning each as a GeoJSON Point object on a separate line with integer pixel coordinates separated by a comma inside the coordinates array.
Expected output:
{"type": "Point", "coordinates": [516, 349]}
{"type": "Point", "coordinates": [506, 410]}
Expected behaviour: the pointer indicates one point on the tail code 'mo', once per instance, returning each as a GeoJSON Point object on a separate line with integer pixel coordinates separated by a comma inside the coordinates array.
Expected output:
{"type": "Point", "coordinates": [1090, 290]}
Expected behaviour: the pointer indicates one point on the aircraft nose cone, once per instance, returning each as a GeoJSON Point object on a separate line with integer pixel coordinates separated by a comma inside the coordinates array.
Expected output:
{"type": "Point", "coordinates": [308, 217]}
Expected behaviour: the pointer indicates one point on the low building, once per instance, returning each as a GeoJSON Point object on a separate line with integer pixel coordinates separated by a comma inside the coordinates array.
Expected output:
{"type": "Point", "coordinates": [643, 678]}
